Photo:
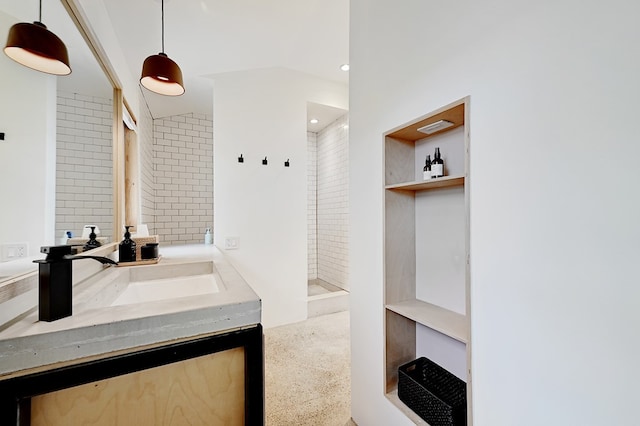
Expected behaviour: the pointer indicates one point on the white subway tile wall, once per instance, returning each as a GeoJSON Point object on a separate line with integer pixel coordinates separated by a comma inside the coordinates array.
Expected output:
{"type": "Point", "coordinates": [183, 165]}
{"type": "Point", "coordinates": [312, 234]}
{"type": "Point", "coordinates": [333, 203]}
{"type": "Point", "coordinates": [147, 172]}
{"type": "Point", "coordinates": [84, 182]}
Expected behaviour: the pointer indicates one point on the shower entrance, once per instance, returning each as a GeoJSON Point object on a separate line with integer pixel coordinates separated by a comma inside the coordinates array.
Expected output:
{"type": "Point", "coordinates": [328, 209]}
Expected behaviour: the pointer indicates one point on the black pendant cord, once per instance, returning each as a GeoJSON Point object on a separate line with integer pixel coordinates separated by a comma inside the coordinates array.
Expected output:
{"type": "Point", "coordinates": [162, 6]}
{"type": "Point", "coordinates": [40, 13]}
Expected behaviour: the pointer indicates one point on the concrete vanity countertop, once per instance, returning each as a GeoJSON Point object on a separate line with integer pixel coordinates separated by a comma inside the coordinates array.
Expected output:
{"type": "Point", "coordinates": [97, 328]}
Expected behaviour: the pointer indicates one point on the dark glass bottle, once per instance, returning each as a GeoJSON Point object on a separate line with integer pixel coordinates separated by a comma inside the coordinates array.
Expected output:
{"type": "Point", "coordinates": [92, 243]}
{"type": "Point", "coordinates": [127, 248]}
{"type": "Point", "coordinates": [437, 165]}
{"type": "Point", "coordinates": [426, 170]}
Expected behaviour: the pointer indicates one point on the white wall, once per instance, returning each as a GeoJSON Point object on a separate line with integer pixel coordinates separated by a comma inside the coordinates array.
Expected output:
{"type": "Point", "coordinates": [183, 176]}
{"type": "Point", "coordinates": [554, 198]}
{"type": "Point", "coordinates": [333, 203]}
{"type": "Point", "coordinates": [27, 154]}
{"type": "Point", "coordinates": [328, 203]}
{"type": "Point", "coordinates": [147, 174]}
{"type": "Point", "coordinates": [312, 210]}
{"type": "Point", "coordinates": [101, 24]}
{"type": "Point", "coordinates": [263, 113]}
{"type": "Point", "coordinates": [84, 164]}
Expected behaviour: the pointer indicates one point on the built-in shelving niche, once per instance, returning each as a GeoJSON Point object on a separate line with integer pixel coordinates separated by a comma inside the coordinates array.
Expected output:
{"type": "Point", "coordinates": [427, 249]}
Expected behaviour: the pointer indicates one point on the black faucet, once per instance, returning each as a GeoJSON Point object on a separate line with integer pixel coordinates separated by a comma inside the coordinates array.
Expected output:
{"type": "Point", "coordinates": [55, 284]}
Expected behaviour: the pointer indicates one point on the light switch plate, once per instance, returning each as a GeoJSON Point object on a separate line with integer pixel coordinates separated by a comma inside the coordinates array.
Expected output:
{"type": "Point", "coordinates": [13, 251]}
{"type": "Point", "coordinates": [232, 243]}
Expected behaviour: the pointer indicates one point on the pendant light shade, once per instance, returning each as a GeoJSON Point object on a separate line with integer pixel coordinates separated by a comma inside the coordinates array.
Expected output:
{"type": "Point", "coordinates": [160, 74]}
{"type": "Point", "coordinates": [34, 46]}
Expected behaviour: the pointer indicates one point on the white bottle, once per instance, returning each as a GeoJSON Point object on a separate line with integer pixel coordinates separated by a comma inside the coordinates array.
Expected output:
{"type": "Point", "coordinates": [65, 238]}
{"type": "Point", "coordinates": [208, 238]}
{"type": "Point", "coordinates": [437, 165]}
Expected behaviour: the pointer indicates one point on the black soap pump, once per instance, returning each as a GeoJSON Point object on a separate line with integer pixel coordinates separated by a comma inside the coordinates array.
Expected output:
{"type": "Point", "coordinates": [127, 248]}
{"type": "Point", "coordinates": [92, 243]}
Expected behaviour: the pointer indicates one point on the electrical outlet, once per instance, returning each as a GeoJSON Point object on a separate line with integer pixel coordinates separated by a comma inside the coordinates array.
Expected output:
{"type": "Point", "coordinates": [13, 251]}
{"type": "Point", "coordinates": [231, 243]}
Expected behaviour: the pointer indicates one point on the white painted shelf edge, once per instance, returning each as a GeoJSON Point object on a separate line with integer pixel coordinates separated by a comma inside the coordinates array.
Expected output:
{"type": "Point", "coordinates": [447, 322]}
{"type": "Point", "coordinates": [395, 400]}
{"type": "Point", "coordinates": [421, 185]}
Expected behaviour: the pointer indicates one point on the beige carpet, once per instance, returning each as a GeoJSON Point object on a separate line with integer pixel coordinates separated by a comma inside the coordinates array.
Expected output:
{"type": "Point", "coordinates": [307, 372]}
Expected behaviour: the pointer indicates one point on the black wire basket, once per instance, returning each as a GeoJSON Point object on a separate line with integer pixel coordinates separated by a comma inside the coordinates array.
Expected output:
{"type": "Point", "coordinates": [433, 393]}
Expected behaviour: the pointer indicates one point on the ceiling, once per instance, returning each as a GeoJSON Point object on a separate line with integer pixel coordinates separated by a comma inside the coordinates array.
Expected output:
{"type": "Point", "coordinates": [324, 114]}
{"type": "Point", "coordinates": [208, 37]}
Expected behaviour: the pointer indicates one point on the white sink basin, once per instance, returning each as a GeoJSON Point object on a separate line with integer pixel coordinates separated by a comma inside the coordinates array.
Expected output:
{"type": "Point", "coordinates": [192, 291]}
{"type": "Point", "coordinates": [167, 288]}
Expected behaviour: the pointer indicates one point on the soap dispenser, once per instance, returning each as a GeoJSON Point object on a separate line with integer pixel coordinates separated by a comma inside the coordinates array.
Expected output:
{"type": "Point", "coordinates": [208, 237]}
{"type": "Point", "coordinates": [92, 243]}
{"type": "Point", "coordinates": [127, 248]}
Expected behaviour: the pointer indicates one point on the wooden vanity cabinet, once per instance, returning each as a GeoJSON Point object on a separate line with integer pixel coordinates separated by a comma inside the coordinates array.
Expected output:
{"type": "Point", "coordinates": [213, 380]}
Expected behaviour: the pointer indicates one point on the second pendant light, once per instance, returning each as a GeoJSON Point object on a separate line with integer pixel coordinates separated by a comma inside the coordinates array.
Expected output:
{"type": "Point", "coordinates": [160, 74]}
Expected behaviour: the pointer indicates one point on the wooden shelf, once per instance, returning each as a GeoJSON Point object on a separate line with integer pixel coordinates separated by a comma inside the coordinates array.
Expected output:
{"type": "Point", "coordinates": [409, 132]}
{"type": "Point", "coordinates": [395, 400]}
{"type": "Point", "coordinates": [443, 182]}
{"type": "Point", "coordinates": [141, 262]}
{"type": "Point", "coordinates": [442, 320]}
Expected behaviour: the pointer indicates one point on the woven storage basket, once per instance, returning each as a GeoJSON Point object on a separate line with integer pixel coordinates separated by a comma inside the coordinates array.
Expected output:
{"type": "Point", "coordinates": [433, 393]}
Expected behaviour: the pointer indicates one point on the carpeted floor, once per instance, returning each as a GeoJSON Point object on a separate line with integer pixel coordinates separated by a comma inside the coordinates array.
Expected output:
{"type": "Point", "coordinates": [307, 372]}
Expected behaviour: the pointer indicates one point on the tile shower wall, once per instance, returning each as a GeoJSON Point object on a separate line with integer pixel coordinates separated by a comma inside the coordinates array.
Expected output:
{"type": "Point", "coordinates": [332, 203]}
{"type": "Point", "coordinates": [84, 181]}
{"type": "Point", "coordinates": [312, 234]}
{"type": "Point", "coordinates": [147, 173]}
{"type": "Point", "coordinates": [183, 167]}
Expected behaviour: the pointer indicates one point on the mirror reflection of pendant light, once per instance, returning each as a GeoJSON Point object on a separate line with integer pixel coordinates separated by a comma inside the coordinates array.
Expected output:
{"type": "Point", "coordinates": [160, 74]}
{"type": "Point", "coordinates": [34, 46]}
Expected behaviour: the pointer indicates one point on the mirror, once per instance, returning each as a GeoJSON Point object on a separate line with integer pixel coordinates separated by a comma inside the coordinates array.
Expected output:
{"type": "Point", "coordinates": [56, 156]}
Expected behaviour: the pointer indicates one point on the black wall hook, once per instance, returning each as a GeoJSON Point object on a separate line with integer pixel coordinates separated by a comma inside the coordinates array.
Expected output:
{"type": "Point", "coordinates": [240, 159]}
{"type": "Point", "coordinates": [264, 162]}
{"type": "Point", "coordinates": [286, 163]}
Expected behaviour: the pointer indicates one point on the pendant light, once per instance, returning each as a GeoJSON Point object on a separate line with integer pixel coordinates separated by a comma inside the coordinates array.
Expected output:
{"type": "Point", "coordinates": [34, 46]}
{"type": "Point", "coordinates": [160, 74]}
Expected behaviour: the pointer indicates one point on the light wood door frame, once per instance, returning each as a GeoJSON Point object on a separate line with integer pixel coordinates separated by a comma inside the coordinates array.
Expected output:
{"type": "Point", "coordinates": [131, 178]}
{"type": "Point", "coordinates": [118, 165]}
